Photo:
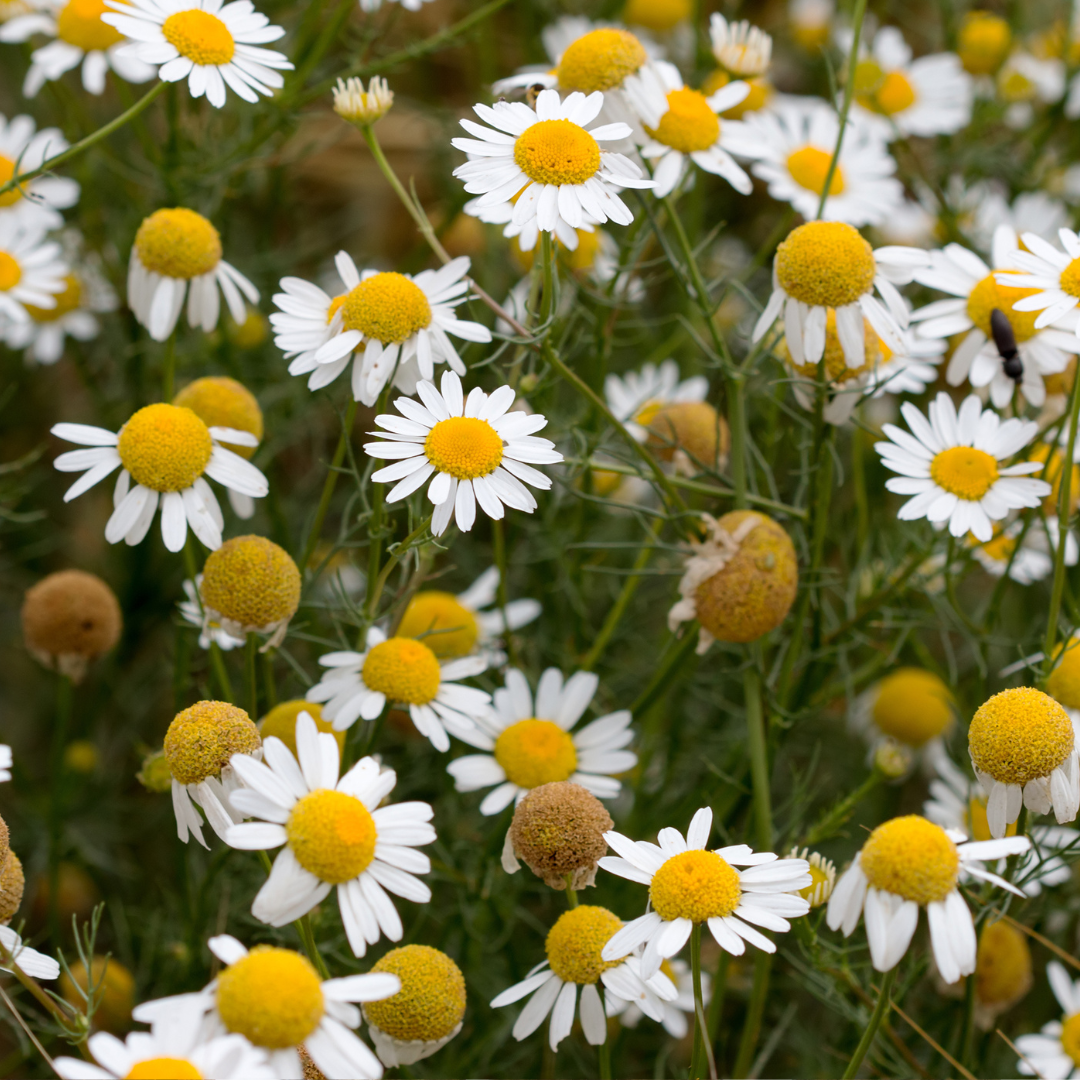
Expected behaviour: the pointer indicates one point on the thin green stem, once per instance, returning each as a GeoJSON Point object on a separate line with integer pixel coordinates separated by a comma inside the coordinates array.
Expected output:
{"type": "Point", "coordinates": [328, 486]}
{"type": "Point", "coordinates": [168, 368]}
{"type": "Point", "coordinates": [754, 1012]}
{"type": "Point", "coordinates": [217, 662]}
{"type": "Point", "coordinates": [253, 676]}
{"type": "Point", "coordinates": [498, 535]}
{"type": "Point", "coordinates": [716, 999]}
{"type": "Point", "coordinates": [702, 1047]}
{"type": "Point", "coordinates": [571, 892]}
{"type": "Point", "coordinates": [876, 1017]}
{"type": "Point", "coordinates": [547, 264]}
{"type": "Point", "coordinates": [603, 1055]}
{"type": "Point", "coordinates": [307, 936]}
{"type": "Point", "coordinates": [967, 1030]}
{"type": "Point", "coordinates": [402, 550]}
{"type": "Point", "coordinates": [58, 789]}
{"type": "Point", "coordinates": [268, 679]}
{"type": "Point", "coordinates": [759, 753]}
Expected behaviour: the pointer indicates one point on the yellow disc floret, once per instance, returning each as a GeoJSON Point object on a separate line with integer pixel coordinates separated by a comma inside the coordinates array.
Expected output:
{"type": "Point", "coordinates": [1070, 1037]}
{"type": "Point", "coordinates": [657, 15]}
{"type": "Point", "coordinates": [66, 302]}
{"type": "Point", "coordinates": [332, 835]}
{"type": "Point", "coordinates": [1003, 966]}
{"type": "Point", "coordinates": [178, 243]}
{"type": "Point", "coordinates": [272, 997]}
{"type": "Point", "coordinates": [448, 628]}
{"type": "Point", "coordinates": [404, 670]}
{"type": "Point", "coordinates": [883, 92]}
{"type": "Point", "coordinates": [964, 471]}
{"type": "Point", "coordinates": [200, 36]}
{"type": "Point", "coordinates": [202, 738]}
{"type": "Point", "coordinates": [809, 168]}
{"type": "Point", "coordinates": [912, 706]}
{"type": "Point", "coordinates": [600, 60]}
{"type": "Point", "coordinates": [165, 448]}
{"type": "Point", "coordinates": [913, 858]}
{"type": "Point", "coordinates": [79, 24]}
{"type": "Point", "coordinates": [1069, 281]}
{"type": "Point", "coordinates": [984, 42]}
{"type": "Point", "coordinates": [1064, 681]}
{"type": "Point", "coordinates": [825, 264]}
{"type": "Point", "coordinates": [388, 307]}
{"type": "Point", "coordinates": [988, 294]}
{"type": "Point", "coordinates": [431, 1001]}
{"type": "Point", "coordinates": [689, 124]}
{"type": "Point", "coordinates": [1020, 735]}
{"type": "Point", "coordinates": [576, 940]}
{"type": "Point", "coordinates": [163, 1068]}
{"type": "Point", "coordinates": [534, 752]}
{"type": "Point", "coordinates": [10, 270]}
{"type": "Point", "coordinates": [252, 582]}
{"type": "Point", "coordinates": [223, 402]}
{"type": "Point", "coordinates": [696, 885]}
{"type": "Point", "coordinates": [465, 447]}
{"type": "Point", "coordinates": [280, 722]}
{"type": "Point", "coordinates": [557, 152]}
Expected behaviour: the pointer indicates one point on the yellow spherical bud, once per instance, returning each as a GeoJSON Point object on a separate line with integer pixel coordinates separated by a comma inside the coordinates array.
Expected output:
{"type": "Point", "coordinates": [431, 1002]}
{"type": "Point", "coordinates": [1064, 681]}
{"type": "Point", "coordinates": [600, 60]}
{"type": "Point", "coordinates": [252, 584]}
{"type": "Point", "coordinates": [280, 722]}
{"type": "Point", "coordinates": [12, 886]}
{"type": "Point", "coordinates": [155, 774]}
{"type": "Point", "coordinates": [825, 263]}
{"type": "Point", "coordinates": [912, 706]}
{"type": "Point", "coordinates": [913, 858]}
{"type": "Point", "coordinates": [1003, 967]}
{"type": "Point", "coordinates": [984, 42]}
{"type": "Point", "coordinates": [1020, 735]}
{"type": "Point", "coordinates": [657, 15]}
{"type": "Point", "coordinates": [693, 427]}
{"type": "Point", "coordinates": [576, 940]}
{"type": "Point", "coordinates": [114, 991]}
{"type": "Point", "coordinates": [219, 401]}
{"type": "Point", "coordinates": [201, 739]}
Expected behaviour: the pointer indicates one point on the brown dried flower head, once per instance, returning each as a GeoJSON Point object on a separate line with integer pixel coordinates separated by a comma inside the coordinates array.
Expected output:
{"type": "Point", "coordinates": [12, 887]}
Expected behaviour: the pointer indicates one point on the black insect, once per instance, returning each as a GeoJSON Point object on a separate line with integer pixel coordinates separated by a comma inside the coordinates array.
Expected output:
{"type": "Point", "coordinates": [1005, 340]}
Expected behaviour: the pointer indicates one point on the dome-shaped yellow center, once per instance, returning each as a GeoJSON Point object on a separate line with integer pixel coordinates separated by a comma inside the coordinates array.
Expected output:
{"type": "Point", "coordinates": [988, 294]}
{"type": "Point", "coordinates": [223, 402]}
{"type": "Point", "coordinates": [272, 997]}
{"type": "Point", "coordinates": [600, 60]}
{"type": "Point", "coordinates": [658, 15]}
{"type": "Point", "coordinates": [388, 307]}
{"type": "Point", "coordinates": [964, 472]}
{"type": "Point", "coordinates": [280, 722]}
{"type": "Point", "coordinates": [66, 302]}
{"type": "Point", "coordinates": [178, 243]}
{"type": "Point", "coordinates": [200, 36]}
{"type": "Point", "coordinates": [836, 365]}
{"type": "Point", "coordinates": [534, 752]}
{"type": "Point", "coordinates": [202, 738]}
{"type": "Point", "coordinates": [403, 670]}
{"type": "Point", "coordinates": [332, 835]}
{"type": "Point", "coordinates": [431, 1001]}
{"type": "Point", "coordinates": [465, 447]}
{"type": "Point", "coordinates": [689, 124]}
{"type": "Point", "coordinates": [883, 92]}
{"type": "Point", "coordinates": [448, 628]}
{"type": "Point", "coordinates": [557, 152]}
{"type": "Point", "coordinates": [576, 940]}
{"type": "Point", "coordinates": [1020, 735]}
{"type": "Point", "coordinates": [165, 448]}
{"type": "Point", "coordinates": [1064, 681]}
{"type": "Point", "coordinates": [696, 885]}
{"type": "Point", "coordinates": [9, 198]}
{"type": "Point", "coordinates": [1003, 965]}
{"type": "Point", "coordinates": [825, 264]}
{"type": "Point", "coordinates": [79, 24]}
{"type": "Point", "coordinates": [913, 858]}
{"type": "Point", "coordinates": [819, 880]}
{"type": "Point", "coordinates": [10, 270]}
{"type": "Point", "coordinates": [164, 1068]}
{"type": "Point", "coordinates": [912, 706]}
{"type": "Point", "coordinates": [1070, 1037]}
{"type": "Point", "coordinates": [984, 42]}
{"type": "Point", "coordinates": [1069, 281]}
{"type": "Point", "coordinates": [809, 167]}
{"type": "Point", "coordinates": [252, 582]}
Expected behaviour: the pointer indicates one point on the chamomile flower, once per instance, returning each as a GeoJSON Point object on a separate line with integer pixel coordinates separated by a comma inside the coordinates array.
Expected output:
{"type": "Point", "coordinates": [476, 450]}
{"type": "Point", "coordinates": [577, 947]}
{"type": "Point", "coordinates": [176, 253]}
{"type": "Point", "coordinates": [194, 614]}
{"type": "Point", "coordinates": [636, 397]}
{"type": "Point", "coordinates": [1054, 1053]}
{"type": "Point", "coordinates": [332, 833]}
{"type": "Point", "coordinates": [529, 742]}
{"type": "Point", "coordinates": [1052, 276]}
{"type": "Point", "coordinates": [80, 38]}
{"type": "Point", "coordinates": [689, 885]}
{"type": "Point", "coordinates": [677, 1012]}
{"type": "Point", "coordinates": [952, 466]}
{"type": "Point", "coordinates": [168, 451]}
{"type": "Point", "coordinates": [739, 47]}
{"type": "Point", "coordinates": [908, 863]}
{"type": "Point", "coordinates": [1026, 553]}
{"type": "Point", "coordinates": [822, 876]}
{"type": "Point", "coordinates": [910, 706]}
{"type": "Point", "coordinates": [359, 686]}
{"type": "Point", "coordinates": [551, 158]}
{"type": "Point", "coordinates": [38, 202]}
{"type": "Point", "coordinates": [403, 323]}
{"type": "Point", "coordinates": [29, 961]}
{"type": "Point", "coordinates": [811, 22]}
{"type": "Point", "coordinates": [31, 270]}
{"type": "Point", "coordinates": [209, 45]}
{"type": "Point", "coordinates": [1026, 81]}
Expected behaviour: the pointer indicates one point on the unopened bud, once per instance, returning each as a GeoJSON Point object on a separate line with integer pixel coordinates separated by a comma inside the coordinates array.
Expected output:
{"type": "Point", "coordinates": [359, 106]}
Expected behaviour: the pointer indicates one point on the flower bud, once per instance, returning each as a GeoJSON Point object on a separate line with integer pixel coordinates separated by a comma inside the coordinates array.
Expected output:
{"type": "Point", "coordinates": [359, 106]}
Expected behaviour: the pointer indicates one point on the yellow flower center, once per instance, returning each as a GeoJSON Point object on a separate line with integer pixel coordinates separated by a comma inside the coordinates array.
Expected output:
{"type": "Point", "coordinates": [984, 42]}
{"type": "Point", "coordinates": [272, 997]}
{"type": "Point", "coordinates": [165, 448]}
{"type": "Point", "coordinates": [79, 24]}
{"type": "Point", "coordinates": [825, 264]}
{"type": "Point", "coordinates": [1003, 965]}
{"type": "Point", "coordinates": [913, 858]}
{"type": "Point", "coordinates": [1070, 1037]}
{"type": "Point", "coordinates": [223, 402]}
{"type": "Point", "coordinates": [9, 198]}
{"type": "Point", "coordinates": [280, 722]}
{"type": "Point", "coordinates": [534, 752]}
{"type": "Point", "coordinates": [431, 1001]}
{"type": "Point", "coordinates": [912, 706]}
{"type": "Point", "coordinates": [251, 581]}
{"type": "Point", "coordinates": [557, 152]}
{"type": "Point", "coordinates": [448, 628]}
{"type": "Point", "coordinates": [465, 447]}
{"type": "Point", "coordinates": [689, 124]}
{"type": "Point", "coordinates": [1064, 681]}
{"type": "Point", "coordinates": [819, 878]}
{"type": "Point", "coordinates": [332, 835]}
{"type": "Point", "coordinates": [988, 294]}
{"type": "Point", "coordinates": [403, 670]}
{"type": "Point", "coordinates": [178, 243]}
{"type": "Point", "coordinates": [836, 367]}
{"type": "Point", "coordinates": [1000, 548]}
{"type": "Point", "coordinates": [10, 270]}
{"type": "Point", "coordinates": [810, 166]}
{"type": "Point", "coordinates": [760, 92]}
{"type": "Point", "coordinates": [576, 940]}
{"type": "Point", "coordinates": [964, 471]}
{"type": "Point", "coordinates": [1020, 735]}
{"type": "Point", "coordinates": [600, 60]}
{"type": "Point", "coordinates": [199, 36]}
{"type": "Point", "coordinates": [696, 885]}
{"type": "Point", "coordinates": [66, 301]}
{"type": "Point", "coordinates": [202, 738]}
{"type": "Point", "coordinates": [1070, 278]}
{"type": "Point", "coordinates": [388, 307]}
{"type": "Point", "coordinates": [658, 15]}
{"type": "Point", "coordinates": [977, 821]}
{"type": "Point", "coordinates": [164, 1068]}
{"type": "Point", "coordinates": [1052, 475]}
{"type": "Point", "coordinates": [1014, 85]}
{"type": "Point", "coordinates": [883, 92]}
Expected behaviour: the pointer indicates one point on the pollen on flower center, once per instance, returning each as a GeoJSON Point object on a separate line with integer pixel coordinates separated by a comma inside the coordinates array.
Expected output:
{"type": "Point", "coordinates": [557, 152]}
{"type": "Point", "coordinates": [165, 448]}
{"type": "Point", "coordinates": [576, 940]}
{"type": "Point", "coordinates": [1020, 735]}
{"type": "Point", "coordinates": [689, 124]}
{"type": "Point", "coordinates": [1070, 1037]}
{"type": "Point", "coordinates": [913, 858]}
{"type": "Point", "coordinates": [825, 264]}
{"type": "Point", "coordinates": [66, 302]}
{"type": "Point", "coordinates": [465, 447]}
{"type": "Point", "coordinates": [810, 166]}
{"type": "Point", "coordinates": [388, 307]}
{"type": "Point", "coordinates": [696, 885]}
{"type": "Point", "coordinates": [10, 270]}
{"type": "Point", "coordinates": [534, 752]}
{"type": "Point", "coordinates": [9, 198]}
{"type": "Point", "coordinates": [988, 294]}
{"type": "Point", "coordinates": [163, 1068]}
{"type": "Point", "coordinates": [1070, 278]}
{"type": "Point", "coordinates": [431, 1001]}
{"type": "Point", "coordinates": [912, 706]}
{"type": "Point", "coordinates": [403, 670]}
{"type": "Point", "coordinates": [964, 471]}
{"type": "Point", "coordinates": [199, 36]}
{"type": "Point", "coordinates": [600, 60]}
{"type": "Point", "coordinates": [448, 628]}
{"type": "Point", "coordinates": [332, 835]}
{"type": "Point", "coordinates": [202, 738]}
{"type": "Point", "coordinates": [178, 243]}
{"type": "Point", "coordinates": [272, 997]}
{"type": "Point", "coordinates": [79, 24]}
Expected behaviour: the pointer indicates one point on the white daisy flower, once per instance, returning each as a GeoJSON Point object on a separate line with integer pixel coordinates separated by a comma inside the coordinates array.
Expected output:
{"type": "Point", "coordinates": [636, 397]}
{"type": "Point", "coordinates": [689, 884]}
{"type": "Point", "coordinates": [39, 201]}
{"type": "Point", "coordinates": [477, 450]}
{"type": "Point", "coordinates": [951, 464]}
{"type": "Point", "coordinates": [193, 613]}
{"type": "Point", "coordinates": [359, 686]}
{"type": "Point", "coordinates": [209, 45]}
{"type": "Point", "coordinates": [29, 961]}
{"type": "Point", "coordinates": [739, 47]}
{"type": "Point", "coordinates": [527, 233]}
{"type": "Point", "coordinates": [79, 38]}
{"type": "Point", "coordinates": [908, 863]}
{"type": "Point", "coordinates": [1052, 276]}
{"type": "Point", "coordinates": [247, 999]}
{"type": "Point", "coordinates": [334, 834]}
{"type": "Point", "coordinates": [550, 158]}
{"type": "Point", "coordinates": [576, 949]}
{"type": "Point", "coordinates": [1026, 81]}
{"type": "Point", "coordinates": [6, 763]}
{"type": "Point", "coordinates": [402, 321]}
{"type": "Point", "coordinates": [985, 205]}
{"type": "Point", "coordinates": [1054, 1053]}
{"type": "Point", "coordinates": [31, 270]}
{"type": "Point", "coordinates": [168, 451]}
{"type": "Point", "coordinates": [1034, 559]}
{"type": "Point", "coordinates": [678, 1012]}
{"type": "Point", "coordinates": [529, 744]}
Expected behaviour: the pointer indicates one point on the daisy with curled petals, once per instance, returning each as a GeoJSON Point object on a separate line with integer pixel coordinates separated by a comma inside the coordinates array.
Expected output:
{"type": "Point", "coordinates": [689, 885]}
{"type": "Point", "coordinates": [406, 671]}
{"type": "Point", "coordinates": [169, 452]}
{"type": "Point", "coordinates": [397, 324]}
{"type": "Point", "coordinates": [31, 270]}
{"type": "Point", "coordinates": [275, 999]}
{"type": "Point", "coordinates": [549, 159]}
{"type": "Point", "coordinates": [636, 397]}
{"type": "Point", "coordinates": [909, 863]}
{"type": "Point", "coordinates": [209, 45]}
{"type": "Point", "coordinates": [334, 833]}
{"type": "Point", "coordinates": [529, 744]}
{"type": "Point", "coordinates": [952, 465]}
{"type": "Point", "coordinates": [29, 961]}
{"type": "Point", "coordinates": [1054, 1053]}
{"type": "Point", "coordinates": [1054, 277]}
{"type": "Point", "coordinates": [38, 202]}
{"type": "Point", "coordinates": [476, 449]}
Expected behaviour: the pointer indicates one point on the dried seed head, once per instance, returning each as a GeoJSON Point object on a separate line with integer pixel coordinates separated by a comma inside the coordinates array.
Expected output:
{"type": "Point", "coordinates": [12, 886]}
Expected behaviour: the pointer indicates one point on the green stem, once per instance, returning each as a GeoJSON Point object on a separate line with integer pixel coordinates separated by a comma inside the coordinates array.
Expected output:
{"type": "Point", "coordinates": [252, 676]}
{"type": "Point", "coordinates": [498, 535]}
{"type": "Point", "coordinates": [268, 680]}
{"type": "Point", "coordinates": [168, 374]}
{"type": "Point", "coordinates": [754, 1012]}
{"type": "Point", "coordinates": [402, 550]}
{"type": "Point", "coordinates": [307, 936]}
{"type": "Point", "coordinates": [217, 662]}
{"type": "Point", "coordinates": [547, 264]}
{"type": "Point", "coordinates": [876, 1017]}
{"type": "Point", "coordinates": [702, 1044]}
{"type": "Point", "coordinates": [571, 892]}
{"type": "Point", "coordinates": [716, 999]}
{"type": "Point", "coordinates": [603, 1055]}
{"type": "Point", "coordinates": [759, 753]}
{"type": "Point", "coordinates": [328, 486]}
{"type": "Point", "coordinates": [61, 727]}
{"type": "Point", "coordinates": [967, 1031]}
